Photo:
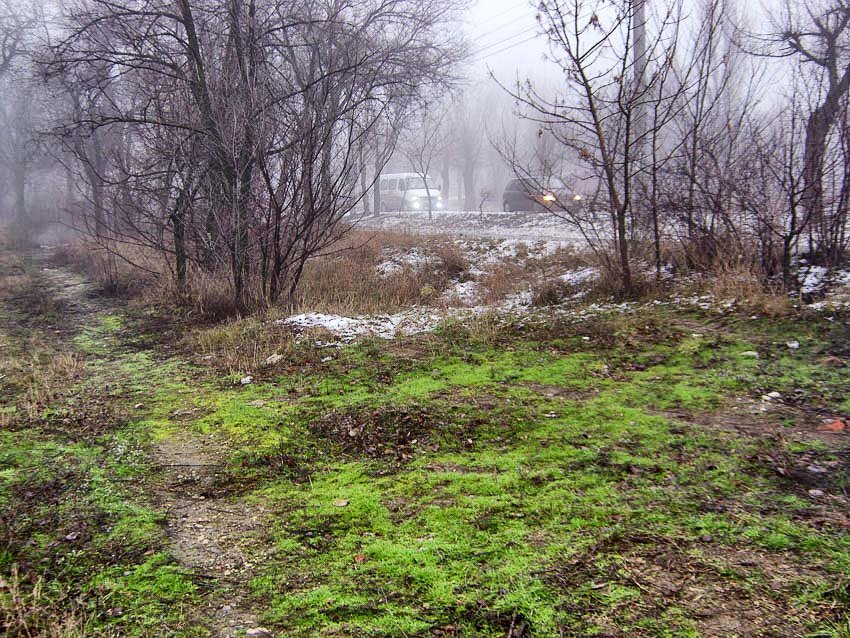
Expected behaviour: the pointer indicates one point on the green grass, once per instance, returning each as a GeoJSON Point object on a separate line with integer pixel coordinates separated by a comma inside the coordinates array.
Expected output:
{"type": "Point", "coordinates": [459, 484]}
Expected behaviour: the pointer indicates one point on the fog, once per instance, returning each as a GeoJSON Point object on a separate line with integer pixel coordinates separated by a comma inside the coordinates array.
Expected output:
{"type": "Point", "coordinates": [148, 127]}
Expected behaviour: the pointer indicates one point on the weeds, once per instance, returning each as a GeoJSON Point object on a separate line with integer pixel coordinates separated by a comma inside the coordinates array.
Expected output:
{"type": "Point", "coordinates": [30, 612]}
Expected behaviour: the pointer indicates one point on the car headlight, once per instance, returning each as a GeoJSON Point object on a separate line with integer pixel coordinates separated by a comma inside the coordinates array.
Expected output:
{"type": "Point", "coordinates": [548, 197]}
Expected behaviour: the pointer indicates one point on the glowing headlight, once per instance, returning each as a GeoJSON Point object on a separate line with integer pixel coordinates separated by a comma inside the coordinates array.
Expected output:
{"type": "Point", "coordinates": [576, 197]}
{"type": "Point", "coordinates": [548, 197]}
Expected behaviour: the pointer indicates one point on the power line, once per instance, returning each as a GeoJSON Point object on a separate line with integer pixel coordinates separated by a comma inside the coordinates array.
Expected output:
{"type": "Point", "coordinates": [523, 5]}
{"type": "Point", "coordinates": [507, 48]}
{"type": "Point", "coordinates": [501, 27]}
{"type": "Point", "coordinates": [506, 40]}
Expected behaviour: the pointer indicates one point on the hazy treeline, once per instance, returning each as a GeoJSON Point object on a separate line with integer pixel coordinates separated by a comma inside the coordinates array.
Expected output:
{"type": "Point", "coordinates": [725, 141]}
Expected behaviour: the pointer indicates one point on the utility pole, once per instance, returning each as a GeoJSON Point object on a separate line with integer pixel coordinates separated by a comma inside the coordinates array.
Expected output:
{"type": "Point", "coordinates": [639, 125]}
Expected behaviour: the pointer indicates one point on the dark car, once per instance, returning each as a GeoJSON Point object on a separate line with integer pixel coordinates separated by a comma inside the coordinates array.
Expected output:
{"type": "Point", "coordinates": [531, 193]}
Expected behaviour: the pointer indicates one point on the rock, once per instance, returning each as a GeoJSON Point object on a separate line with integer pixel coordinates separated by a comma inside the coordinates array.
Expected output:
{"type": "Point", "coordinates": [246, 380]}
{"type": "Point", "coordinates": [257, 403]}
{"type": "Point", "coordinates": [771, 396]}
{"type": "Point", "coordinates": [749, 353]}
{"type": "Point", "coordinates": [832, 362]}
{"type": "Point", "coordinates": [273, 360]}
{"type": "Point", "coordinates": [327, 359]}
{"type": "Point", "coordinates": [259, 632]}
{"type": "Point", "coordinates": [816, 469]}
{"type": "Point", "coordinates": [706, 538]}
{"type": "Point", "coordinates": [340, 502]}
{"type": "Point", "coordinates": [816, 493]}
{"type": "Point", "coordinates": [793, 345]}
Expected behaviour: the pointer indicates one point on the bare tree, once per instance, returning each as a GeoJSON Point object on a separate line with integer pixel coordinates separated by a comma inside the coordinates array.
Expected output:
{"type": "Point", "coordinates": [423, 142]}
{"type": "Point", "coordinates": [19, 24]}
{"type": "Point", "coordinates": [262, 102]}
{"type": "Point", "coordinates": [817, 33]}
{"type": "Point", "coordinates": [609, 87]}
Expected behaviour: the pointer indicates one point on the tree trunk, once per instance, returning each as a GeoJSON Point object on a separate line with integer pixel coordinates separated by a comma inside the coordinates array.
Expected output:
{"type": "Point", "coordinates": [469, 186]}
{"type": "Point", "coordinates": [23, 228]}
{"type": "Point", "coordinates": [376, 190]}
{"type": "Point", "coordinates": [819, 124]}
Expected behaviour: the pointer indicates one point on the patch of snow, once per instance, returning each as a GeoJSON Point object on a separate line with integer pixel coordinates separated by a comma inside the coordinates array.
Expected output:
{"type": "Point", "coordinates": [348, 329]}
{"type": "Point", "coordinates": [580, 276]}
{"type": "Point", "coordinates": [518, 301]}
{"type": "Point", "coordinates": [397, 262]}
{"type": "Point", "coordinates": [525, 227]}
{"type": "Point", "coordinates": [814, 278]}
{"type": "Point", "coordinates": [464, 292]}
{"type": "Point", "coordinates": [388, 268]}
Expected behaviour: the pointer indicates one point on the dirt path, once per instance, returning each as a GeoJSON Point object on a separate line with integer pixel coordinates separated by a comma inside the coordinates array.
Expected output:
{"type": "Point", "coordinates": [210, 532]}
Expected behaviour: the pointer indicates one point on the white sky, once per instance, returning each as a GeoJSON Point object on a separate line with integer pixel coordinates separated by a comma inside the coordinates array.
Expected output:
{"type": "Point", "coordinates": [504, 37]}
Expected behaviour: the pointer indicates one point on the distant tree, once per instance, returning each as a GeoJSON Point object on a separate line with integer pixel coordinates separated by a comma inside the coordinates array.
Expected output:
{"type": "Point", "coordinates": [423, 141]}
{"type": "Point", "coordinates": [20, 24]}
{"type": "Point", "coordinates": [613, 76]}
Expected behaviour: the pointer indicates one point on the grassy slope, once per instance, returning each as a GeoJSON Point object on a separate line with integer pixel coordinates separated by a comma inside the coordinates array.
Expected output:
{"type": "Point", "coordinates": [609, 478]}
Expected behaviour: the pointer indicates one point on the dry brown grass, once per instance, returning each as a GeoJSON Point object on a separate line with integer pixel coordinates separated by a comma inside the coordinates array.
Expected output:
{"type": "Point", "coordinates": [747, 287]}
{"type": "Point", "coordinates": [31, 613]}
{"type": "Point", "coordinates": [36, 376]}
{"type": "Point", "coordinates": [344, 279]}
{"type": "Point", "coordinates": [124, 270]}
{"type": "Point", "coordinates": [241, 345]}
{"type": "Point", "coordinates": [347, 281]}
{"type": "Point", "coordinates": [502, 280]}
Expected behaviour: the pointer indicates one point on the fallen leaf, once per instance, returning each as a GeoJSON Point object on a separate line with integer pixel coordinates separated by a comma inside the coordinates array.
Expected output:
{"type": "Point", "coordinates": [359, 558]}
{"type": "Point", "coordinates": [834, 426]}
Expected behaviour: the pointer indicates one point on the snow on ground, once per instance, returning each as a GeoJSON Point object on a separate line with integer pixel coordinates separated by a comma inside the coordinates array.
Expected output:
{"type": "Point", "coordinates": [396, 262]}
{"type": "Point", "coordinates": [517, 309]}
{"type": "Point", "coordinates": [580, 276]}
{"type": "Point", "coordinates": [488, 239]}
{"type": "Point", "coordinates": [348, 329]}
{"type": "Point", "coordinates": [812, 279]}
{"type": "Point", "coordinates": [528, 227]}
{"type": "Point", "coordinates": [464, 293]}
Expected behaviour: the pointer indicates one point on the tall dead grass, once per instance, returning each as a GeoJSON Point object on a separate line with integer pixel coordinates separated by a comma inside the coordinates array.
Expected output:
{"type": "Point", "coordinates": [241, 345]}
{"type": "Point", "coordinates": [345, 279]}
{"type": "Point", "coordinates": [31, 613]}
{"type": "Point", "coordinates": [746, 286]}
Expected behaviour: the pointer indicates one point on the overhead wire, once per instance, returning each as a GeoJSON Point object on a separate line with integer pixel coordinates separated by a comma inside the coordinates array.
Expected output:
{"type": "Point", "coordinates": [521, 5]}
{"type": "Point", "coordinates": [507, 48]}
{"type": "Point", "coordinates": [503, 43]}
{"type": "Point", "coordinates": [506, 40]}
